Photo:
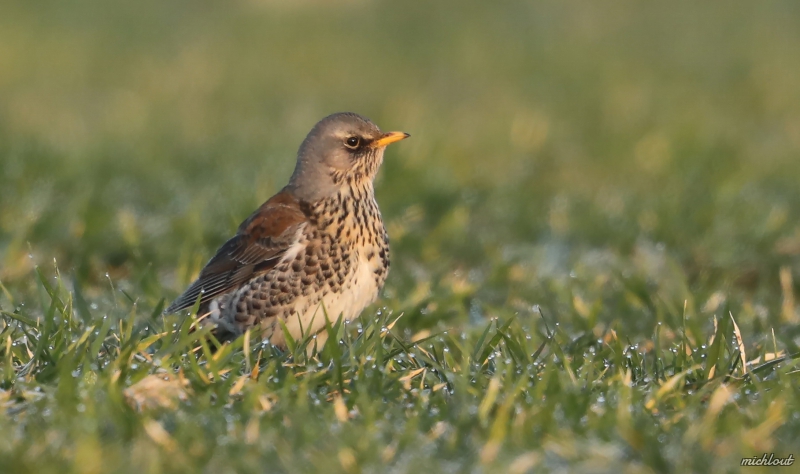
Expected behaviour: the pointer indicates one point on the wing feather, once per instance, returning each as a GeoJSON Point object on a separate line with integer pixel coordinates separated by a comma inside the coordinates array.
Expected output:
{"type": "Point", "coordinates": [261, 242]}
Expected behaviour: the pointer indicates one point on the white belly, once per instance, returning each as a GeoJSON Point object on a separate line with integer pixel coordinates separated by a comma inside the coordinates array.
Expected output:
{"type": "Point", "coordinates": [359, 292]}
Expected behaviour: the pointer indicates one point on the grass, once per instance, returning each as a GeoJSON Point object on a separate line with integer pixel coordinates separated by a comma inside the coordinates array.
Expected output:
{"type": "Point", "coordinates": [594, 236]}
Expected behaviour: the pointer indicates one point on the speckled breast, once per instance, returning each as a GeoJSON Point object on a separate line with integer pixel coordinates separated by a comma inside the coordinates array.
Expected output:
{"type": "Point", "coordinates": [336, 268]}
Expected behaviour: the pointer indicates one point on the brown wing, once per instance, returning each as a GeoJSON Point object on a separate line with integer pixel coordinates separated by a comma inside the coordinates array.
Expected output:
{"type": "Point", "coordinates": [258, 246]}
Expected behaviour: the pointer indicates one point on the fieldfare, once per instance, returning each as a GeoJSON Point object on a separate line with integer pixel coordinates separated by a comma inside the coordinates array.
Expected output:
{"type": "Point", "coordinates": [317, 248]}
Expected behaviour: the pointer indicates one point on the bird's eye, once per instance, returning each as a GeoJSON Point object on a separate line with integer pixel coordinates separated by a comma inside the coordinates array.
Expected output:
{"type": "Point", "coordinates": [352, 142]}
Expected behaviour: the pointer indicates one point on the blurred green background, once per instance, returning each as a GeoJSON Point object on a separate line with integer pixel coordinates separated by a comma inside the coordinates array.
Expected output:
{"type": "Point", "coordinates": [552, 141]}
{"type": "Point", "coordinates": [628, 166]}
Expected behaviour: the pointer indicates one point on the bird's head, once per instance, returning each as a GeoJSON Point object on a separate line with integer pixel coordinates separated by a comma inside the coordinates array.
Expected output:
{"type": "Point", "coordinates": [343, 149]}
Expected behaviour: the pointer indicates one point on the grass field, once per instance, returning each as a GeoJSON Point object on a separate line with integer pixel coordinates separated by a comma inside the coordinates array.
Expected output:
{"type": "Point", "coordinates": [595, 231]}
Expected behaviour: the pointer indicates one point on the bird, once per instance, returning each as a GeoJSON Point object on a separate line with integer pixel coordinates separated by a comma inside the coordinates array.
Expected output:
{"type": "Point", "coordinates": [317, 249]}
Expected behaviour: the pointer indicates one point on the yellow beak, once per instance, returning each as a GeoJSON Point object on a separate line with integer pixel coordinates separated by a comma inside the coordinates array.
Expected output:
{"type": "Point", "coordinates": [388, 138]}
